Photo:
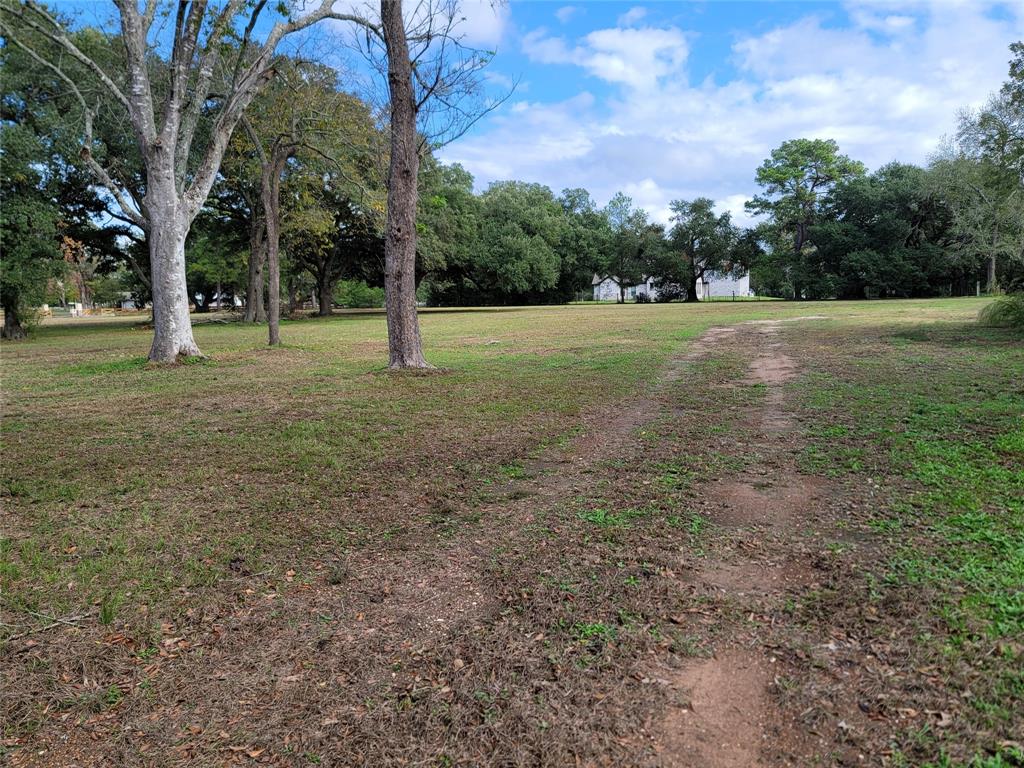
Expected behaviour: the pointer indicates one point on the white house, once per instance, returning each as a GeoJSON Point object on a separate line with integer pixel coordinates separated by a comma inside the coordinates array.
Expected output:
{"type": "Point", "coordinates": [722, 286]}
{"type": "Point", "coordinates": [607, 289]}
{"type": "Point", "coordinates": [710, 286]}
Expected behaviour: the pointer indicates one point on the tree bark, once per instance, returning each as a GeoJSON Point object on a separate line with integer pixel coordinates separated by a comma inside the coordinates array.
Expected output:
{"type": "Point", "coordinates": [293, 296]}
{"type": "Point", "coordinates": [405, 346]}
{"type": "Point", "coordinates": [254, 307]}
{"type": "Point", "coordinates": [168, 228]}
{"type": "Point", "coordinates": [324, 289]}
{"type": "Point", "coordinates": [270, 191]}
{"type": "Point", "coordinates": [691, 290]}
{"type": "Point", "coordinates": [12, 324]}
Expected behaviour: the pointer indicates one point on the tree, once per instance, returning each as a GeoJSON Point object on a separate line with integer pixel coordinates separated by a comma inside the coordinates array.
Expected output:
{"type": "Point", "coordinates": [888, 234]}
{"type": "Point", "coordinates": [586, 240]}
{"type": "Point", "coordinates": [205, 80]}
{"type": "Point", "coordinates": [448, 234]}
{"type": "Point", "coordinates": [795, 178]}
{"type": "Point", "coordinates": [521, 228]}
{"type": "Point", "coordinates": [45, 184]}
{"type": "Point", "coordinates": [28, 228]}
{"type": "Point", "coordinates": [984, 175]}
{"type": "Point", "coordinates": [633, 245]}
{"type": "Point", "coordinates": [700, 242]}
{"type": "Point", "coordinates": [435, 92]}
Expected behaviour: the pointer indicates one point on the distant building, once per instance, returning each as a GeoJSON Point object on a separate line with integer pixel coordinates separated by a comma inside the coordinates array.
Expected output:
{"type": "Point", "coordinates": [712, 286]}
{"type": "Point", "coordinates": [722, 286]}
{"type": "Point", "coordinates": [607, 289]}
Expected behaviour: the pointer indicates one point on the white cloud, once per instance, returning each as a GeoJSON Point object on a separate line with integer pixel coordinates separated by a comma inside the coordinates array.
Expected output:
{"type": "Point", "coordinates": [565, 13]}
{"type": "Point", "coordinates": [886, 86]}
{"type": "Point", "coordinates": [636, 58]}
{"type": "Point", "coordinates": [481, 23]}
{"type": "Point", "coordinates": [485, 22]}
{"type": "Point", "coordinates": [632, 16]}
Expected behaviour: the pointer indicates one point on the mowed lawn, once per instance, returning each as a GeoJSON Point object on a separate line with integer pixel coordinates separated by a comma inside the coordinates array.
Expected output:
{"type": "Point", "coordinates": [124, 483]}
{"type": "Point", "coordinates": [134, 496]}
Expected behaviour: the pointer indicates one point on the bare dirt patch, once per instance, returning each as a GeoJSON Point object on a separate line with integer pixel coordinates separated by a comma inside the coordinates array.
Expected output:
{"type": "Point", "coordinates": [724, 718]}
{"type": "Point", "coordinates": [724, 722]}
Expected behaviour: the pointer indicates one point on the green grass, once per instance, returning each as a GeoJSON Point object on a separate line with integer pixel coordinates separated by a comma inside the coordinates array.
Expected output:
{"type": "Point", "coordinates": [930, 420]}
{"type": "Point", "coordinates": [119, 473]}
{"type": "Point", "coordinates": [135, 495]}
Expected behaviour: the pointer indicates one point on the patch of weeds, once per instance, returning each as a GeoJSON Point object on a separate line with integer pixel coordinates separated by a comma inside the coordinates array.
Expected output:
{"type": "Point", "coordinates": [589, 632]}
{"type": "Point", "coordinates": [513, 471]}
{"type": "Point", "coordinates": [604, 518]}
{"type": "Point", "coordinates": [690, 646]}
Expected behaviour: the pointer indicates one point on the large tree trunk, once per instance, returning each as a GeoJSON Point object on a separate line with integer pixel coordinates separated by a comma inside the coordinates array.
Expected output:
{"type": "Point", "coordinates": [404, 344]}
{"type": "Point", "coordinates": [169, 226]}
{"type": "Point", "coordinates": [12, 323]}
{"type": "Point", "coordinates": [324, 291]}
{"type": "Point", "coordinates": [691, 289]}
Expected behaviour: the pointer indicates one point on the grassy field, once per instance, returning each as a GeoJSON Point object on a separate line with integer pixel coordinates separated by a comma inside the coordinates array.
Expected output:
{"type": "Point", "coordinates": [174, 537]}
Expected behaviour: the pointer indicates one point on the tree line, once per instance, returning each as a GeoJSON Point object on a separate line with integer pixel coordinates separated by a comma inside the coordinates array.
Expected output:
{"type": "Point", "coordinates": [175, 158]}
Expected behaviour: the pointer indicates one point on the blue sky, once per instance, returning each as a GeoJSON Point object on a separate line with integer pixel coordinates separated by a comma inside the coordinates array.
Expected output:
{"type": "Point", "coordinates": [666, 100]}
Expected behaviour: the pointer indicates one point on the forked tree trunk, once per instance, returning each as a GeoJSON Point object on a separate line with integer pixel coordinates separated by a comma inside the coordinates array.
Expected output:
{"type": "Point", "coordinates": [404, 344]}
{"type": "Point", "coordinates": [169, 226]}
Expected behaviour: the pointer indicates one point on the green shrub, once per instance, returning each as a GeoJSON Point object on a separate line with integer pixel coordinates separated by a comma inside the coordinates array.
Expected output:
{"type": "Point", "coordinates": [356, 294]}
{"type": "Point", "coordinates": [1005, 312]}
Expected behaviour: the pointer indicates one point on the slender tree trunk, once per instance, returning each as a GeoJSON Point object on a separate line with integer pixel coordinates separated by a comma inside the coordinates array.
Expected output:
{"type": "Point", "coordinates": [622, 293]}
{"type": "Point", "coordinates": [293, 296]}
{"type": "Point", "coordinates": [254, 307]}
{"type": "Point", "coordinates": [12, 323]}
{"type": "Point", "coordinates": [169, 225]}
{"type": "Point", "coordinates": [270, 191]}
{"type": "Point", "coordinates": [404, 343]}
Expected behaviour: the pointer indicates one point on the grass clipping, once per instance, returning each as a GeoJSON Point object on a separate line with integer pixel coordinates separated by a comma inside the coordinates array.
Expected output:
{"type": "Point", "coordinates": [1005, 312]}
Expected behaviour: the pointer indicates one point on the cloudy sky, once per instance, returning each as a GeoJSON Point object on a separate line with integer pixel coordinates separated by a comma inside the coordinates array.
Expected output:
{"type": "Point", "coordinates": [667, 100]}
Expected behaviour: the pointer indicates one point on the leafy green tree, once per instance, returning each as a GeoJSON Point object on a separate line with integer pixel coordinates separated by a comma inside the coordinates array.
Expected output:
{"type": "Point", "coordinates": [182, 86]}
{"type": "Point", "coordinates": [983, 176]}
{"type": "Point", "coordinates": [448, 227]}
{"type": "Point", "coordinates": [214, 262]}
{"type": "Point", "coordinates": [700, 242]}
{"type": "Point", "coordinates": [587, 238]}
{"type": "Point", "coordinates": [634, 244]}
{"type": "Point", "coordinates": [521, 229]}
{"type": "Point", "coordinates": [796, 178]}
{"type": "Point", "coordinates": [28, 228]}
{"type": "Point", "coordinates": [888, 234]}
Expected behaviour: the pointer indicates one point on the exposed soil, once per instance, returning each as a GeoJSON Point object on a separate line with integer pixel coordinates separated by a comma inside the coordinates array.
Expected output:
{"type": "Point", "coordinates": [722, 719]}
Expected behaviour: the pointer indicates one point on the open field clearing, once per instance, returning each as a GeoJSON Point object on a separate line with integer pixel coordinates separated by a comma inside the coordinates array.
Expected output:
{"type": "Point", "coordinates": [727, 534]}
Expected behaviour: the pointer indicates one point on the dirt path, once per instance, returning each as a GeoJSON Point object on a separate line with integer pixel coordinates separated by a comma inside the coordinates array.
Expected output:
{"type": "Point", "coordinates": [724, 718]}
